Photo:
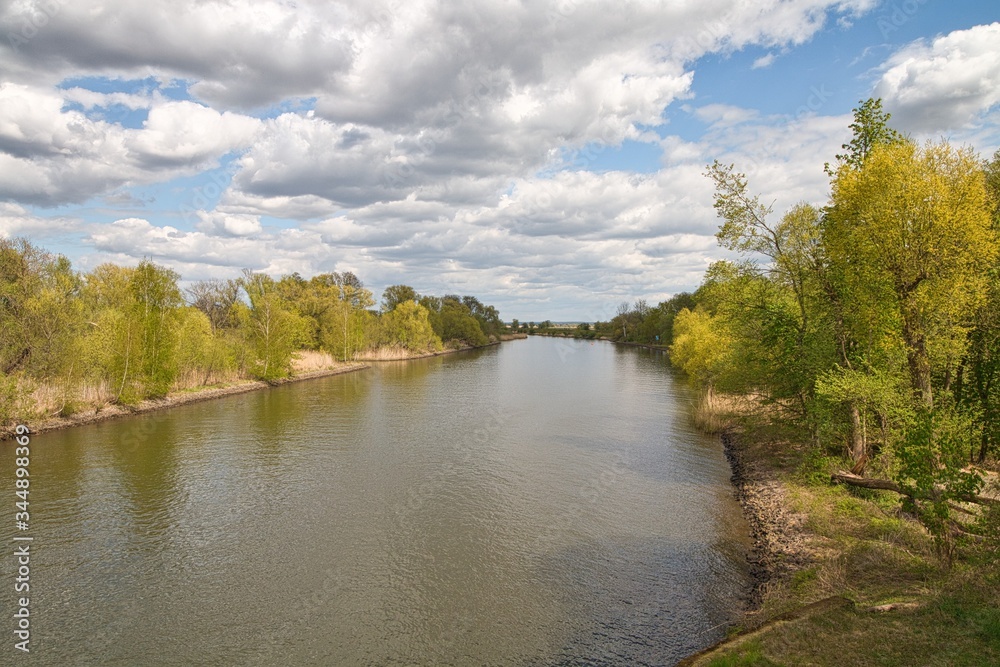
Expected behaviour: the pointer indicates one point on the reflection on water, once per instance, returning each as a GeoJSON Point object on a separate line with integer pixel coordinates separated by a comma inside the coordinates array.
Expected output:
{"type": "Point", "coordinates": [541, 503]}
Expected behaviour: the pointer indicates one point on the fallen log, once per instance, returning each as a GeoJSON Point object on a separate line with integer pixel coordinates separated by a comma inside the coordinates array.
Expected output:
{"type": "Point", "coordinates": [888, 485]}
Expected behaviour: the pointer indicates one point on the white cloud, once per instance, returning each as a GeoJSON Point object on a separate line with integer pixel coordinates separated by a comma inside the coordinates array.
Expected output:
{"type": "Point", "coordinates": [16, 220]}
{"type": "Point", "coordinates": [943, 84]}
{"type": "Point", "coordinates": [185, 133]}
{"type": "Point", "coordinates": [764, 61]}
{"type": "Point", "coordinates": [50, 155]}
{"type": "Point", "coordinates": [724, 115]}
{"type": "Point", "coordinates": [431, 153]}
{"type": "Point", "coordinates": [220, 223]}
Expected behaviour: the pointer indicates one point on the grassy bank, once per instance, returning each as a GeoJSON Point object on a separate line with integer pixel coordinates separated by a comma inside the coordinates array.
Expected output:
{"type": "Point", "coordinates": [50, 408]}
{"type": "Point", "coordinates": [886, 596]}
{"type": "Point", "coordinates": [93, 404]}
{"type": "Point", "coordinates": [397, 353]}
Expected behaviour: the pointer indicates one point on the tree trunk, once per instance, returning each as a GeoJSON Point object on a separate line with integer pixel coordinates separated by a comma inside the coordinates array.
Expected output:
{"type": "Point", "coordinates": [889, 485]}
{"type": "Point", "coordinates": [984, 446]}
{"type": "Point", "coordinates": [919, 362]}
{"type": "Point", "coordinates": [859, 454]}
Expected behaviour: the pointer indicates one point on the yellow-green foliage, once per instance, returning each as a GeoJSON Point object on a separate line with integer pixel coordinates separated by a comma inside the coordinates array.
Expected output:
{"type": "Point", "coordinates": [702, 347]}
{"type": "Point", "coordinates": [408, 325]}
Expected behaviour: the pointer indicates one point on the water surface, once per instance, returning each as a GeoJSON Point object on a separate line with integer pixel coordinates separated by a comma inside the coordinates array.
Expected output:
{"type": "Point", "coordinates": [544, 502]}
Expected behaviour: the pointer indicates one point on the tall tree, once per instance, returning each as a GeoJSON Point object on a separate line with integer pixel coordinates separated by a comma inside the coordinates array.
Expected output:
{"type": "Point", "coordinates": [40, 312]}
{"type": "Point", "coordinates": [408, 325]}
{"type": "Point", "coordinates": [274, 330]}
{"type": "Point", "coordinates": [914, 225]}
{"type": "Point", "coordinates": [395, 295]}
{"type": "Point", "coordinates": [132, 339]}
{"type": "Point", "coordinates": [870, 129]}
{"type": "Point", "coordinates": [216, 299]}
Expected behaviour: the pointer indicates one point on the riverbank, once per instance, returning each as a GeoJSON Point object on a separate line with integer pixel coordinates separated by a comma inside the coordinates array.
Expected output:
{"type": "Point", "coordinates": [307, 365]}
{"type": "Point", "coordinates": [842, 576]}
{"type": "Point", "coordinates": [574, 336]}
{"type": "Point", "coordinates": [403, 354]}
{"type": "Point", "coordinates": [173, 399]}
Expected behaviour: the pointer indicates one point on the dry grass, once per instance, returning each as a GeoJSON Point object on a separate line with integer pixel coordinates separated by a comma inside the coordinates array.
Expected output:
{"type": "Point", "coordinates": [307, 361]}
{"type": "Point", "coordinates": [64, 400]}
{"type": "Point", "coordinates": [716, 412]}
{"type": "Point", "coordinates": [197, 379]}
{"type": "Point", "coordinates": [390, 353]}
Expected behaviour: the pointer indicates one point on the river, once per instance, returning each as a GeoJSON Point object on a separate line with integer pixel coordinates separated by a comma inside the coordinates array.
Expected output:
{"type": "Point", "coordinates": [543, 502]}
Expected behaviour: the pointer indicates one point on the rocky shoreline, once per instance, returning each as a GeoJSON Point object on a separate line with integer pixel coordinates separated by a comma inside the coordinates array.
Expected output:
{"type": "Point", "coordinates": [777, 536]}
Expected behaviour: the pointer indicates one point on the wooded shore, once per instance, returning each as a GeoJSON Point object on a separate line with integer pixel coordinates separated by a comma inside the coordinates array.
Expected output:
{"type": "Point", "coordinates": [173, 399]}
{"type": "Point", "coordinates": [197, 394]}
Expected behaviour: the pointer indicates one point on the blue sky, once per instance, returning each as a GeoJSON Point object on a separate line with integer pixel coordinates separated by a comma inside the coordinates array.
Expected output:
{"type": "Point", "coordinates": [547, 157]}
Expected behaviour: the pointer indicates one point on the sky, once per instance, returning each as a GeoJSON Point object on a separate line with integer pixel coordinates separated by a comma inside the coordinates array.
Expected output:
{"type": "Point", "coordinates": [545, 156]}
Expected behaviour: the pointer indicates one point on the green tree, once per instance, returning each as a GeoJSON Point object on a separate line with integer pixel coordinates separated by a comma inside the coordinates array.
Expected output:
{"type": "Point", "coordinates": [408, 325]}
{"type": "Point", "coordinates": [272, 328]}
{"type": "Point", "coordinates": [978, 379]}
{"type": "Point", "coordinates": [201, 352]}
{"type": "Point", "coordinates": [458, 324]}
{"type": "Point", "coordinates": [41, 316]}
{"type": "Point", "coordinates": [702, 348]}
{"type": "Point", "coordinates": [132, 341]}
{"type": "Point", "coordinates": [395, 295]}
{"type": "Point", "coordinates": [870, 129]}
{"type": "Point", "coordinates": [914, 226]}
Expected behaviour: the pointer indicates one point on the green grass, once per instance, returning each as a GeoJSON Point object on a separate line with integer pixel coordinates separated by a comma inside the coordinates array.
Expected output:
{"type": "Point", "coordinates": [952, 629]}
{"type": "Point", "coordinates": [748, 655]}
{"type": "Point", "coordinates": [859, 544]}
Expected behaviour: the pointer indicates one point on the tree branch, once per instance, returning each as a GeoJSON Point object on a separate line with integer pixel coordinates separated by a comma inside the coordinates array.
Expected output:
{"type": "Point", "coordinates": [888, 485]}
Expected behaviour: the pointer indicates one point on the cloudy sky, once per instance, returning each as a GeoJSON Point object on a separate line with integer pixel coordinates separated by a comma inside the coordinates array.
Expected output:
{"type": "Point", "coordinates": [545, 156]}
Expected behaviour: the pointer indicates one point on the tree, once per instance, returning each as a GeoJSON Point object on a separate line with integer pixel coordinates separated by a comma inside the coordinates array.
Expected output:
{"type": "Point", "coordinates": [215, 298]}
{"type": "Point", "coordinates": [773, 296]}
{"type": "Point", "coordinates": [272, 328]}
{"type": "Point", "coordinates": [458, 323]}
{"type": "Point", "coordinates": [133, 317]}
{"type": "Point", "coordinates": [395, 295]}
{"type": "Point", "coordinates": [871, 129]}
{"type": "Point", "coordinates": [914, 226]}
{"type": "Point", "coordinates": [41, 315]}
{"type": "Point", "coordinates": [157, 302]}
{"type": "Point", "coordinates": [978, 379]}
{"type": "Point", "coordinates": [408, 325]}
{"type": "Point", "coordinates": [701, 348]}
{"type": "Point", "coordinates": [621, 318]}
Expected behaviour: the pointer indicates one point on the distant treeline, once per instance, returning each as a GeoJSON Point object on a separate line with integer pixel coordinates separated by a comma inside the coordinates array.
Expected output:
{"type": "Point", "coordinates": [633, 323]}
{"type": "Point", "coordinates": [122, 334]}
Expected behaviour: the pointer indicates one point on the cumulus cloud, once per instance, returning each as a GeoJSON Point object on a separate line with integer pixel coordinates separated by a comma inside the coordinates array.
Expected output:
{"type": "Point", "coordinates": [51, 155]}
{"type": "Point", "coordinates": [220, 223]}
{"type": "Point", "coordinates": [16, 220]}
{"type": "Point", "coordinates": [945, 83]}
{"type": "Point", "coordinates": [185, 133]}
{"type": "Point", "coordinates": [242, 53]}
{"type": "Point", "coordinates": [421, 142]}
